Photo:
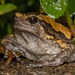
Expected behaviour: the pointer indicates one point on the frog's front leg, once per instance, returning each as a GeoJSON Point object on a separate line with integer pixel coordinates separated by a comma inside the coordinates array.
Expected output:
{"type": "Point", "coordinates": [58, 60]}
{"type": "Point", "coordinates": [12, 48]}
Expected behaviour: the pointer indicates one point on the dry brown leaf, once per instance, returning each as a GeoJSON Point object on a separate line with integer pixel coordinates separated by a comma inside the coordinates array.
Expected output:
{"type": "Point", "coordinates": [56, 26]}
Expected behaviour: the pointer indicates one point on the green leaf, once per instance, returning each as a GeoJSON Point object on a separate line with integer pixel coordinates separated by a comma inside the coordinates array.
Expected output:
{"type": "Point", "coordinates": [71, 6]}
{"type": "Point", "coordinates": [54, 8]}
{"type": "Point", "coordinates": [5, 8]}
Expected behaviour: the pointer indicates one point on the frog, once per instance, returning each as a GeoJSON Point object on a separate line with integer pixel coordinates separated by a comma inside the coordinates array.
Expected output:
{"type": "Point", "coordinates": [36, 40]}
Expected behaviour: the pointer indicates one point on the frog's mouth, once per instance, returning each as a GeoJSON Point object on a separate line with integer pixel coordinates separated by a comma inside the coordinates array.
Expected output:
{"type": "Point", "coordinates": [24, 26]}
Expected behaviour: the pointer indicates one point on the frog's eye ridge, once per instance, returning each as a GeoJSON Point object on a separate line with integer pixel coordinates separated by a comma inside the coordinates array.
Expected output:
{"type": "Point", "coordinates": [33, 19]}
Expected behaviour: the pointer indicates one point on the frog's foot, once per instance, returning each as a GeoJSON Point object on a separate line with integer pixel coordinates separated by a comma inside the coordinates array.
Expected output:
{"type": "Point", "coordinates": [56, 62]}
{"type": "Point", "coordinates": [12, 49]}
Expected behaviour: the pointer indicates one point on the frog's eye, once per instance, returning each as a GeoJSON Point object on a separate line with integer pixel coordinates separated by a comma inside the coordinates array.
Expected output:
{"type": "Point", "coordinates": [33, 19]}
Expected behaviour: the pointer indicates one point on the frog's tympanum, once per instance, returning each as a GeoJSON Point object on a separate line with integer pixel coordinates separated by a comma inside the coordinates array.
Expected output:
{"type": "Point", "coordinates": [36, 40]}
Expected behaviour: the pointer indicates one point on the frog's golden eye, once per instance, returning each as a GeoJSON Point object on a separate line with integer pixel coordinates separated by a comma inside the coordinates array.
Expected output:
{"type": "Point", "coordinates": [33, 19]}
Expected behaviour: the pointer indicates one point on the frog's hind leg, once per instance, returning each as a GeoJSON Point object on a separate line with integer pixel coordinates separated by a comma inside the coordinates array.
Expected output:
{"type": "Point", "coordinates": [58, 60]}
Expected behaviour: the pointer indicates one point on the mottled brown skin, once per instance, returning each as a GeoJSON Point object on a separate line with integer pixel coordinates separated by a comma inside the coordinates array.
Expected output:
{"type": "Point", "coordinates": [31, 41]}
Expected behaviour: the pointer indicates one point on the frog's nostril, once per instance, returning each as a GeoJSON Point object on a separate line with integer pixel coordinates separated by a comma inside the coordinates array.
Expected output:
{"type": "Point", "coordinates": [33, 19]}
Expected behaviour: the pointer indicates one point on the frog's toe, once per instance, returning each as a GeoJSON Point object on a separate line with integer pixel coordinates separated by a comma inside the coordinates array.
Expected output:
{"type": "Point", "coordinates": [6, 54]}
{"type": "Point", "coordinates": [17, 56]}
{"type": "Point", "coordinates": [8, 61]}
